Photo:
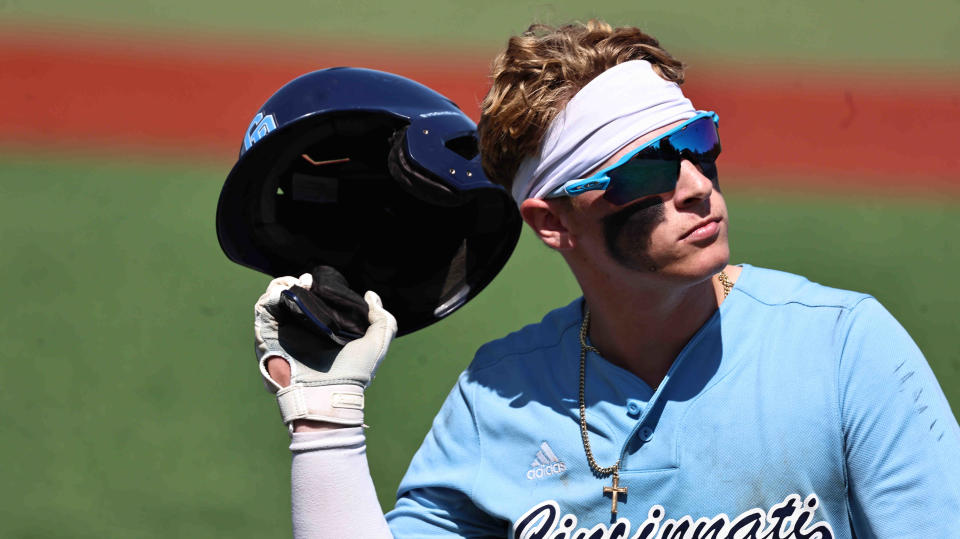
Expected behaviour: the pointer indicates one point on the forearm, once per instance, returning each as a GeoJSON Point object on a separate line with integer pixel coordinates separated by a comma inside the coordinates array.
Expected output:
{"type": "Point", "coordinates": [332, 494]}
{"type": "Point", "coordinates": [320, 385]}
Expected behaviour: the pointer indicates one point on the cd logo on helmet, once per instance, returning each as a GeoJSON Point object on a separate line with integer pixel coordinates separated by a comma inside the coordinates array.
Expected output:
{"type": "Point", "coordinates": [259, 127]}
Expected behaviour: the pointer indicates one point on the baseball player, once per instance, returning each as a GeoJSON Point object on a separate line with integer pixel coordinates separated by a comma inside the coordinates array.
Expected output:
{"type": "Point", "coordinates": [681, 396]}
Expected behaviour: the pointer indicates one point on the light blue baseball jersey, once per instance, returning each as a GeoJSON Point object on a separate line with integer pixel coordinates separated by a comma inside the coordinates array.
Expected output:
{"type": "Point", "coordinates": [796, 411]}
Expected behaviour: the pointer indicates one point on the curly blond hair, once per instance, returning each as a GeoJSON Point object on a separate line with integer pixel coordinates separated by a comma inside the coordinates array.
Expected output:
{"type": "Point", "coordinates": [542, 69]}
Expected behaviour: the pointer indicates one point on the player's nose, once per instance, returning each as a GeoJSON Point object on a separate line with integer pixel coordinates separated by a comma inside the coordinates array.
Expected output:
{"type": "Point", "coordinates": [693, 187]}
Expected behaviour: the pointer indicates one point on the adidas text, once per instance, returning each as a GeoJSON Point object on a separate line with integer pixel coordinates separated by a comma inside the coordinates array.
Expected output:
{"type": "Point", "coordinates": [543, 471]}
{"type": "Point", "coordinates": [545, 464]}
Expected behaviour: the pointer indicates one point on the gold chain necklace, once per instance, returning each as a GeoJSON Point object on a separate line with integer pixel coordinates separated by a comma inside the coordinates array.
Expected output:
{"type": "Point", "coordinates": [725, 282]}
{"type": "Point", "coordinates": [614, 490]}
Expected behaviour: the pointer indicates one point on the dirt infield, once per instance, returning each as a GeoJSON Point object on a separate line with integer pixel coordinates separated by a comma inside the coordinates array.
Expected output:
{"type": "Point", "coordinates": [97, 92]}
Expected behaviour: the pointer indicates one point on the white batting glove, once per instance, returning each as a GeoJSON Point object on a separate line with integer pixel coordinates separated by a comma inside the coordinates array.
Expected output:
{"type": "Point", "coordinates": [326, 381]}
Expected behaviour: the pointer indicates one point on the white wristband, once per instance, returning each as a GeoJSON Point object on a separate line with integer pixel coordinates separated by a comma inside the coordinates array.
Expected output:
{"type": "Point", "coordinates": [336, 403]}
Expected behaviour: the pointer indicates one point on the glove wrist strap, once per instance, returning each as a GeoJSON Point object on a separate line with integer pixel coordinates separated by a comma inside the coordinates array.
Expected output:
{"type": "Point", "coordinates": [336, 403]}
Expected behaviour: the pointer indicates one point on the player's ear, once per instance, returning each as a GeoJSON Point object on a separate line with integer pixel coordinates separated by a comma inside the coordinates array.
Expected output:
{"type": "Point", "coordinates": [548, 221]}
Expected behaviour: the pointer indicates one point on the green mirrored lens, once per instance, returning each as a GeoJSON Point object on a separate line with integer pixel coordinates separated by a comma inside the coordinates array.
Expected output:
{"type": "Point", "coordinates": [641, 177]}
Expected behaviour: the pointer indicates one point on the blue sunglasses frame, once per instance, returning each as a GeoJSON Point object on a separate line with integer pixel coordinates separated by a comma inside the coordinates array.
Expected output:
{"type": "Point", "coordinates": [601, 179]}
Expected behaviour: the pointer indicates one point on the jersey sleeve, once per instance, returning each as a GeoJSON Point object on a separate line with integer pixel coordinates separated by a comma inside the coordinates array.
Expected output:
{"type": "Point", "coordinates": [435, 496]}
{"type": "Point", "coordinates": [901, 440]}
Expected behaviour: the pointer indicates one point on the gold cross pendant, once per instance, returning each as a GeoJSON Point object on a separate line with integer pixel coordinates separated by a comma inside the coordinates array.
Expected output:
{"type": "Point", "coordinates": [614, 491]}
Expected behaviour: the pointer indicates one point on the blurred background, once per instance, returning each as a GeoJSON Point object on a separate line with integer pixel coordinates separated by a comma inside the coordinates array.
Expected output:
{"type": "Point", "coordinates": [131, 405]}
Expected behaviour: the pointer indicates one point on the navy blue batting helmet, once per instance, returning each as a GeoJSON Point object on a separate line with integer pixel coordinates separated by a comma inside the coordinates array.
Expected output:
{"type": "Point", "coordinates": [376, 176]}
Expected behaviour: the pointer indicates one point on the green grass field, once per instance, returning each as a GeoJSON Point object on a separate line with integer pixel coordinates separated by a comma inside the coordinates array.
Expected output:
{"type": "Point", "coordinates": [132, 405]}
{"type": "Point", "coordinates": [847, 33]}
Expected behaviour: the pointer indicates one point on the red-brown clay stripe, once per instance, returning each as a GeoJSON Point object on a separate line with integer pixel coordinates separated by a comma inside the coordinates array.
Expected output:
{"type": "Point", "coordinates": [89, 92]}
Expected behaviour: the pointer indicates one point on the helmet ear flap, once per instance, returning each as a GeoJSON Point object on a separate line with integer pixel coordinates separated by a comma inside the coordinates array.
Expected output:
{"type": "Point", "coordinates": [330, 306]}
{"type": "Point", "coordinates": [416, 180]}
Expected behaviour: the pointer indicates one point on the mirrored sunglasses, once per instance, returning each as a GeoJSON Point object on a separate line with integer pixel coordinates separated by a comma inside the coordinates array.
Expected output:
{"type": "Point", "coordinates": [654, 167]}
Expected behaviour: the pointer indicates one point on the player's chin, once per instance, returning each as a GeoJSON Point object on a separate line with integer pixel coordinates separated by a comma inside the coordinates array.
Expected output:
{"type": "Point", "coordinates": [715, 258]}
{"type": "Point", "coordinates": [701, 262]}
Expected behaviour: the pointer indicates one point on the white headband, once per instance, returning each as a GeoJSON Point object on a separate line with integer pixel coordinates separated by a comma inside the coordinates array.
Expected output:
{"type": "Point", "coordinates": [620, 105]}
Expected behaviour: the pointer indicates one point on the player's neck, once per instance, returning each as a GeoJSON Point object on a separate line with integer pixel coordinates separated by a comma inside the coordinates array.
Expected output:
{"type": "Point", "coordinates": [643, 330]}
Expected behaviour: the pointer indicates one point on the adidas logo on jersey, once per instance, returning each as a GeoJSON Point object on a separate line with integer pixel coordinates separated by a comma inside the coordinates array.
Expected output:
{"type": "Point", "coordinates": [546, 464]}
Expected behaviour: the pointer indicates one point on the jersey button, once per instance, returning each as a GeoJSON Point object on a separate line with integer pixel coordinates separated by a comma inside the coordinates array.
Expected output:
{"type": "Point", "coordinates": [645, 433]}
{"type": "Point", "coordinates": [634, 407]}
